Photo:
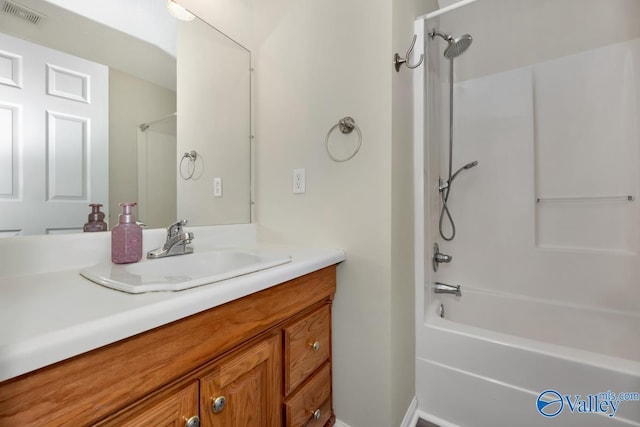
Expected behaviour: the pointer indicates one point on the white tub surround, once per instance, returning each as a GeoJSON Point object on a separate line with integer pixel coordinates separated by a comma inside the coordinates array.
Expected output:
{"type": "Point", "coordinates": [547, 249]}
{"type": "Point", "coordinates": [52, 313]}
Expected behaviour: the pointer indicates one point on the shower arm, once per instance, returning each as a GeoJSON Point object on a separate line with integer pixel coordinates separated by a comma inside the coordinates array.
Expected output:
{"type": "Point", "coordinates": [444, 37]}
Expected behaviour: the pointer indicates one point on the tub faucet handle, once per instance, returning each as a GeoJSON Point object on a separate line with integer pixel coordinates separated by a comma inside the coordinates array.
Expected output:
{"type": "Point", "coordinates": [439, 257]}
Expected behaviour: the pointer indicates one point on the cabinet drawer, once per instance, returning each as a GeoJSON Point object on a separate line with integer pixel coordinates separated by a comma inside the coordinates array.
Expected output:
{"type": "Point", "coordinates": [314, 398]}
{"type": "Point", "coordinates": [172, 409]}
{"type": "Point", "coordinates": [307, 345]}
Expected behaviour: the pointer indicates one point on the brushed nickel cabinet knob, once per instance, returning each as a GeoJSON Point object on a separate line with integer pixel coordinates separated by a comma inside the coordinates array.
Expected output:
{"type": "Point", "coordinates": [193, 422]}
{"type": "Point", "coordinates": [316, 414]}
{"type": "Point", "coordinates": [218, 404]}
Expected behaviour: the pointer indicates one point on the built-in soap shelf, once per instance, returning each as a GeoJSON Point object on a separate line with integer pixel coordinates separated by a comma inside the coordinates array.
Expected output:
{"type": "Point", "coordinates": [627, 198]}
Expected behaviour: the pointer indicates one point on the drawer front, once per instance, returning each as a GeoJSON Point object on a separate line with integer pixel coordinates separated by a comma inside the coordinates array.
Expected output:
{"type": "Point", "coordinates": [172, 409]}
{"type": "Point", "coordinates": [307, 345]}
{"type": "Point", "coordinates": [311, 405]}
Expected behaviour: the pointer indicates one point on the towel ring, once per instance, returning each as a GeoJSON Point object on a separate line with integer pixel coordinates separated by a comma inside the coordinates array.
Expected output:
{"type": "Point", "coordinates": [346, 126]}
{"type": "Point", "coordinates": [192, 156]}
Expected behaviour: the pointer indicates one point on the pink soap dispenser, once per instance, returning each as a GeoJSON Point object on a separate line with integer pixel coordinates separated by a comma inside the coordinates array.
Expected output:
{"type": "Point", "coordinates": [126, 237]}
{"type": "Point", "coordinates": [96, 219]}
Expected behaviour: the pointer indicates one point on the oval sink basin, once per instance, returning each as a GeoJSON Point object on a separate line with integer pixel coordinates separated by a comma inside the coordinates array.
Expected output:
{"type": "Point", "coordinates": [182, 272]}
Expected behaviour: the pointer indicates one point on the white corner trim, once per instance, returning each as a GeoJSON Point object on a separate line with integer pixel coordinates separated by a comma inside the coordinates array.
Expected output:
{"type": "Point", "coordinates": [411, 416]}
{"type": "Point", "coordinates": [340, 424]}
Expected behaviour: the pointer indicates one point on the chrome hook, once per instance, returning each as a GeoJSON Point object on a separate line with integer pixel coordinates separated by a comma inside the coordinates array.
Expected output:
{"type": "Point", "coordinates": [398, 61]}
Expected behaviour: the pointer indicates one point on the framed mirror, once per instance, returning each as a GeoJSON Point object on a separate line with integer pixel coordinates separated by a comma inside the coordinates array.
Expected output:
{"type": "Point", "coordinates": [91, 114]}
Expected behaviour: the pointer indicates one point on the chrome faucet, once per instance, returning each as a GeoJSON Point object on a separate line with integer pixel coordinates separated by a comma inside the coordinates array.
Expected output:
{"type": "Point", "coordinates": [443, 288]}
{"type": "Point", "coordinates": [177, 241]}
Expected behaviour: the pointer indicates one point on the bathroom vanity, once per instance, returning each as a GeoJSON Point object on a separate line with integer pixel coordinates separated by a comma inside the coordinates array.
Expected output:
{"type": "Point", "coordinates": [259, 359]}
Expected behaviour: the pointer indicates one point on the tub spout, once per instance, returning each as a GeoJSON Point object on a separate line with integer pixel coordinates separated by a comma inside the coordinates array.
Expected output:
{"type": "Point", "coordinates": [443, 288]}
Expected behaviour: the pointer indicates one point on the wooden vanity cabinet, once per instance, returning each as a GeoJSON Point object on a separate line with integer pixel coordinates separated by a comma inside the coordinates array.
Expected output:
{"type": "Point", "coordinates": [263, 360]}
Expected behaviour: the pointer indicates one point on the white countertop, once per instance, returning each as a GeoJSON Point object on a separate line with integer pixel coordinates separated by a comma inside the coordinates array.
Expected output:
{"type": "Point", "coordinates": [49, 317]}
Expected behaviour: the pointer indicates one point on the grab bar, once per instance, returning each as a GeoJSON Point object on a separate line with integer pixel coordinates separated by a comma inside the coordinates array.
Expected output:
{"type": "Point", "coordinates": [628, 198]}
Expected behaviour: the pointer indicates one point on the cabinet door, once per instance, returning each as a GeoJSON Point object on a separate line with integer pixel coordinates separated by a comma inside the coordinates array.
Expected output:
{"type": "Point", "coordinates": [174, 410]}
{"type": "Point", "coordinates": [243, 389]}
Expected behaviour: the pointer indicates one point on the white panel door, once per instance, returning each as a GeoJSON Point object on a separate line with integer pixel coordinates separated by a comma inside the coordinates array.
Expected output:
{"type": "Point", "coordinates": [53, 138]}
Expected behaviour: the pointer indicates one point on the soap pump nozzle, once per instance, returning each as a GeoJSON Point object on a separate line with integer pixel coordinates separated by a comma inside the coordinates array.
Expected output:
{"type": "Point", "coordinates": [127, 217]}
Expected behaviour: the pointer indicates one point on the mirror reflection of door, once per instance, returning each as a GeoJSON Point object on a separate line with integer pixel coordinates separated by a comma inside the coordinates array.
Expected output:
{"type": "Point", "coordinates": [53, 138]}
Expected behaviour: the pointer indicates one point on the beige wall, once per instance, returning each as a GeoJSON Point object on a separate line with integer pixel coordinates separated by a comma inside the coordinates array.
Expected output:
{"type": "Point", "coordinates": [316, 62]}
{"type": "Point", "coordinates": [131, 102]}
{"type": "Point", "coordinates": [402, 220]}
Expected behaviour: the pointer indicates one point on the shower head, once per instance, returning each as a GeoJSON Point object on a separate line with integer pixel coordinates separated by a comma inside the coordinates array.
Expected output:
{"type": "Point", "coordinates": [465, 167]}
{"type": "Point", "coordinates": [457, 46]}
{"type": "Point", "coordinates": [470, 165]}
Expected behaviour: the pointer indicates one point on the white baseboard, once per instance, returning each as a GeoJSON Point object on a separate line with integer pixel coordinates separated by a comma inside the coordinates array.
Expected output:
{"type": "Point", "coordinates": [411, 416]}
{"type": "Point", "coordinates": [432, 419]}
{"type": "Point", "coordinates": [340, 424]}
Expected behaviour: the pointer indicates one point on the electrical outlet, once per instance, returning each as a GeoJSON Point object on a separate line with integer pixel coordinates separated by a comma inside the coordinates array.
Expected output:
{"type": "Point", "coordinates": [299, 181]}
{"type": "Point", "coordinates": [217, 186]}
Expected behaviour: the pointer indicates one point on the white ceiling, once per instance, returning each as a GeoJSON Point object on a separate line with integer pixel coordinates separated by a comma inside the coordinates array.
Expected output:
{"type": "Point", "coordinates": [118, 45]}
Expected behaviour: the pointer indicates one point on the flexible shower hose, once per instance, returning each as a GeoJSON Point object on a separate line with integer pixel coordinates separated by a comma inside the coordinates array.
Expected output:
{"type": "Point", "coordinates": [445, 211]}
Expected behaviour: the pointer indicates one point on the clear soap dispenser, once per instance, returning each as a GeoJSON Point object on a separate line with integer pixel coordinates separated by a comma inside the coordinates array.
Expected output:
{"type": "Point", "coordinates": [126, 237]}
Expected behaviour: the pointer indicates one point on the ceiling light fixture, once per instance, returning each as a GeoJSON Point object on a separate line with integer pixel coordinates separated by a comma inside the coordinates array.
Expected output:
{"type": "Point", "coordinates": [179, 12]}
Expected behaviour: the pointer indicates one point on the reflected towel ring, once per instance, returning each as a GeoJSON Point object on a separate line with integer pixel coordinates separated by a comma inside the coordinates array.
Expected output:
{"type": "Point", "coordinates": [346, 126]}
{"type": "Point", "coordinates": [192, 156]}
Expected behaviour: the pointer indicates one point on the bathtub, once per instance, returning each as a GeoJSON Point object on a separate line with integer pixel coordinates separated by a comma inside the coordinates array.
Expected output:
{"type": "Point", "coordinates": [489, 358]}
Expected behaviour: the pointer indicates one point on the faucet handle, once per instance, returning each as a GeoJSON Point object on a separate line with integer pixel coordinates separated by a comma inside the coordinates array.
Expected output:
{"type": "Point", "coordinates": [176, 228]}
{"type": "Point", "coordinates": [438, 257]}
